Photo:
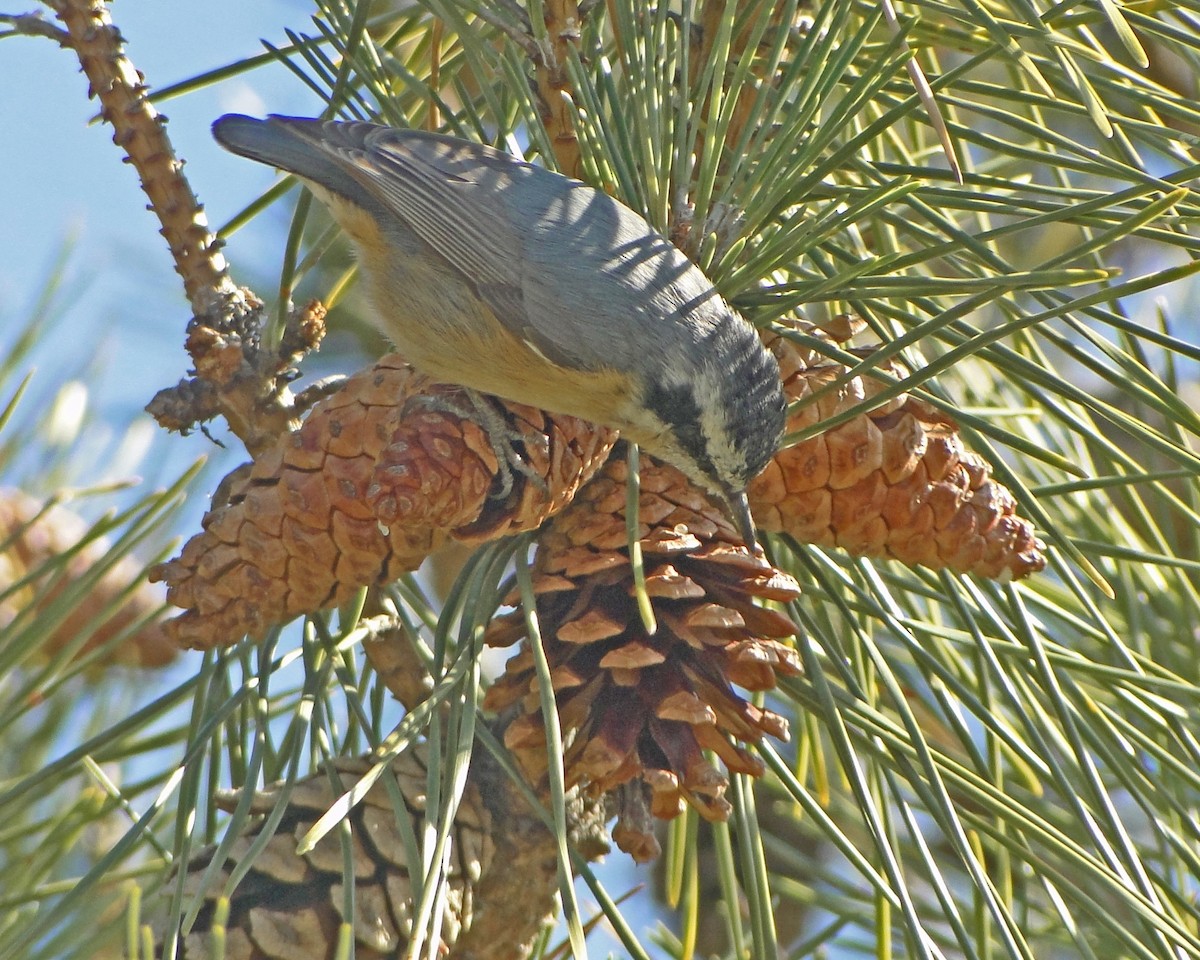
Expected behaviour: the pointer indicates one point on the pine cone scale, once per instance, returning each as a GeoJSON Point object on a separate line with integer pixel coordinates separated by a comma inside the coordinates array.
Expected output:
{"type": "Point", "coordinates": [638, 711]}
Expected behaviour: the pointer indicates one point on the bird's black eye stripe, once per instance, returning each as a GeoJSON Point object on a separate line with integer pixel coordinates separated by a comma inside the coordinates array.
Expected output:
{"type": "Point", "coordinates": [757, 408]}
{"type": "Point", "coordinates": [675, 405]}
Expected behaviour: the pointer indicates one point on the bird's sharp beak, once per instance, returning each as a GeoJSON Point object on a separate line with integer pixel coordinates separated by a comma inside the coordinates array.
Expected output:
{"type": "Point", "coordinates": [739, 510]}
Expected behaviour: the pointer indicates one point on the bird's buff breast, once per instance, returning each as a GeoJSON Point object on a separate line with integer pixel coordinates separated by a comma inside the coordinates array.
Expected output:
{"type": "Point", "coordinates": [440, 326]}
{"type": "Point", "coordinates": [438, 323]}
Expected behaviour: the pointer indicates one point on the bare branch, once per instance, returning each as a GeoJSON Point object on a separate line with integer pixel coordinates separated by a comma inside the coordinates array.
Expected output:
{"type": "Point", "coordinates": [32, 25]}
{"type": "Point", "coordinates": [554, 84]}
{"type": "Point", "coordinates": [234, 375]}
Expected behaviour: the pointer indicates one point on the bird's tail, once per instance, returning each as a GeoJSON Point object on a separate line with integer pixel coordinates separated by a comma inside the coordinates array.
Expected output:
{"type": "Point", "coordinates": [319, 151]}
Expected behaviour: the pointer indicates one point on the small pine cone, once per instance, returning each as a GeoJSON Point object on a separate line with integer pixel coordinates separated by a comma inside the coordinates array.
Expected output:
{"type": "Point", "coordinates": [33, 543]}
{"type": "Point", "coordinates": [894, 482]}
{"type": "Point", "coordinates": [375, 479]}
{"type": "Point", "coordinates": [640, 708]}
{"type": "Point", "coordinates": [289, 905]}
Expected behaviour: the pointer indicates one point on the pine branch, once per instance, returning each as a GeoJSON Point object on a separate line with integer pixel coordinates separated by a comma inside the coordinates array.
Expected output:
{"type": "Point", "coordinates": [235, 376]}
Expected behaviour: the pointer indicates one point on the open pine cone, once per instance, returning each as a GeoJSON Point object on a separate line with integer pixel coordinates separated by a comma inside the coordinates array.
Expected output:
{"type": "Point", "coordinates": [635, 708]}
{"type": "Point", "coordinates": [374, 480]}
{"type": "Point", "coordinates": [289, 905]}
{"type": "Point", "coordinates": [501, 871]}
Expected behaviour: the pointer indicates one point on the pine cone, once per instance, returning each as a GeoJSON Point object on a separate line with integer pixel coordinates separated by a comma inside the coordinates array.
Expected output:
{"type": "Point", "coordinates": [639, 709]}
{"type": "Point", "coordinates": [35, 540]}
{"type": "Point", "coordinates": [371, 483]}
{"type": "Point", "coordinates": [289, 905]}
{"type": "Point", "coordinates": [894, 482]}
{"type": "Point", "coordinates": [440, 469]}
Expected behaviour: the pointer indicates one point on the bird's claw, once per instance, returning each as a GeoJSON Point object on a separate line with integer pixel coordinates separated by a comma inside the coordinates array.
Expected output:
{"type": "Point", "coordinates": [507, 442]}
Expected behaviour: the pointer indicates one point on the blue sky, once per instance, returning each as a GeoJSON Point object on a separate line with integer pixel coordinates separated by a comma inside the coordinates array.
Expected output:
{"type": "Point", "coordinates": [121, 328]}
{"type": "Point", "coordinates": [63, 177]}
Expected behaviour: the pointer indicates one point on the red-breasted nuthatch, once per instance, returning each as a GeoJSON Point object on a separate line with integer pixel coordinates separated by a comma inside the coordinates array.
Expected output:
{"type": "Point", "coordinates": [507, 278]}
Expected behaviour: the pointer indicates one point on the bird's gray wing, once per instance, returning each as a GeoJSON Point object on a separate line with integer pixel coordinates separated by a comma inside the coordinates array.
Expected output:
{"type": "Point", "coordinates": [564, 267]}
{"type": "Point", "coordinates": [459, 198]}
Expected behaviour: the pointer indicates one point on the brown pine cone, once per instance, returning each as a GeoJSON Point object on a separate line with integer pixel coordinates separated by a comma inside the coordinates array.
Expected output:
{"type": "Point", "coordinates": [371, 483]}
{"type": "Point", "coordinates": [34, 542]}
{"type": "Point", "coordinates": [440, 468]}
{"type": "Point", "coordinates": [294, 534]}
{"type": "Point", "coordinates": [894, 482]}
{"type": "Point", "coordinates": [288, 905]}
{"type": "Point", "coordinates": [639, 709]}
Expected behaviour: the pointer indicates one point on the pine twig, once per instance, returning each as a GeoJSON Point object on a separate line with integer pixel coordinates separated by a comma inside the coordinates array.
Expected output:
{"type": "Point", "coordinates": [140, 130]}
{"type": "Point", "coordinates": [33, 25]}
{"type": "Point", "coordinates": [562, 20]}
{"type": "Point", "coordinates": [234, 376]}
{"type": "Point", "coordinates": [391, 650]}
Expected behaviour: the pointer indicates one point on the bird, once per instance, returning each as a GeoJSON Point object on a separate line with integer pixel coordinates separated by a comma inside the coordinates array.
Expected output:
{"type": "Point", "coordinates": [506, 278]}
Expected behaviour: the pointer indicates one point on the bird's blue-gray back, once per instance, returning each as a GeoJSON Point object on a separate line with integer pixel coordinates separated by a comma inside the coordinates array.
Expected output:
{"type": "Point", "coordinates": [536, 245]}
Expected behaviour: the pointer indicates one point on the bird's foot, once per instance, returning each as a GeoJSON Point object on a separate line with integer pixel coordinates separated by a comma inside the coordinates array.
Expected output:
{"type": "Point", "coordinates": [507, 442]}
